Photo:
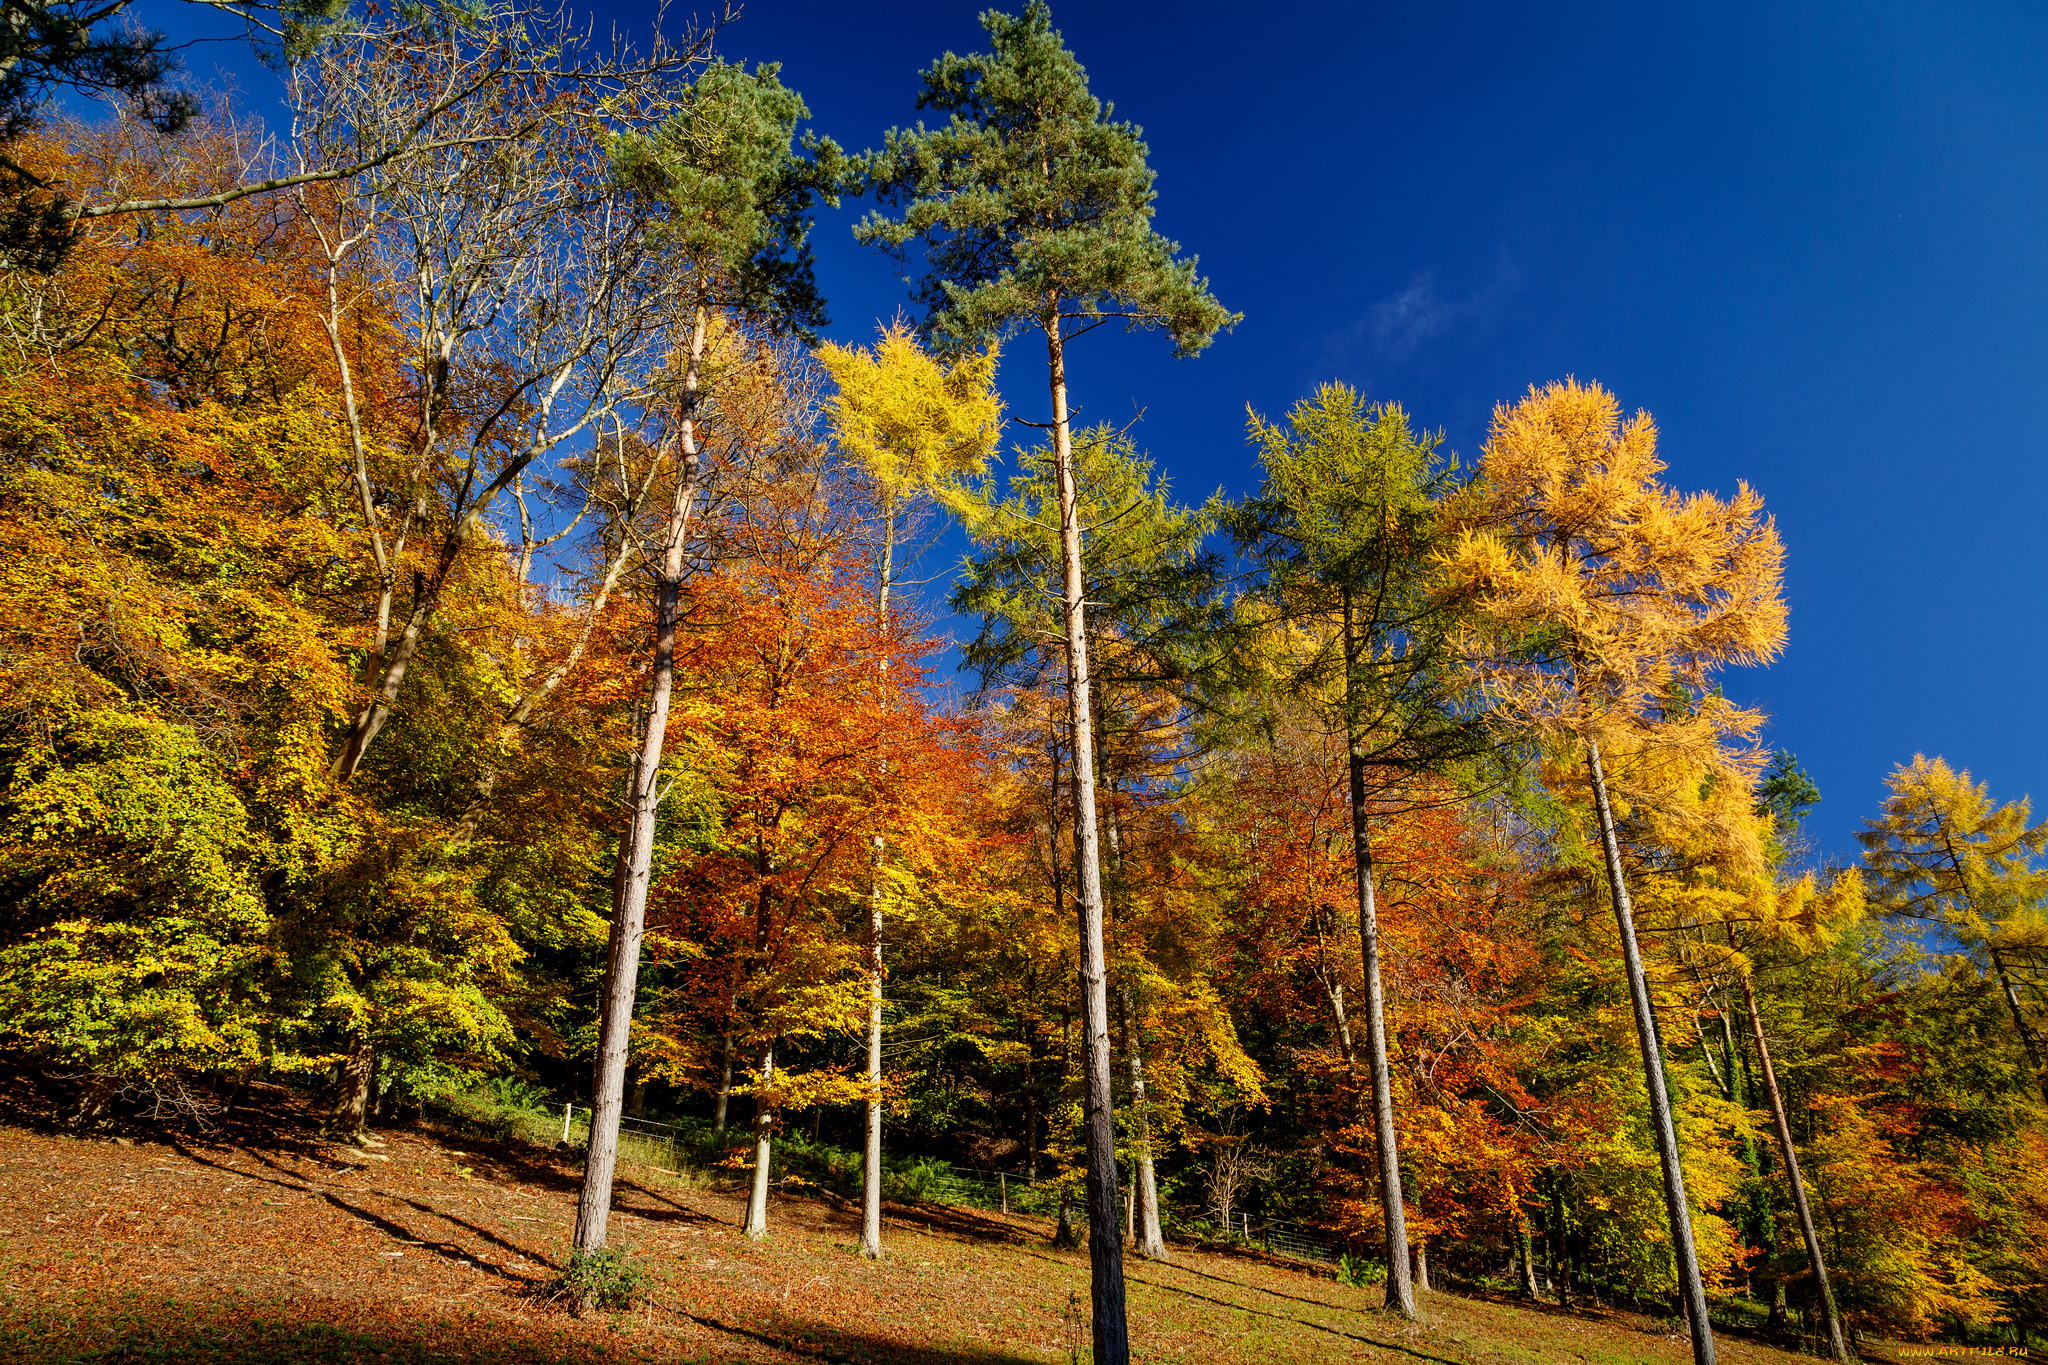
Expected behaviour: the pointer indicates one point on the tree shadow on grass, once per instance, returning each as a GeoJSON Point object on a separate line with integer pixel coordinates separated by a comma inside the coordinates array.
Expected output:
{"type": "Point", "coordinates": [1383, 1343]}
{"type": "Point", "coordinates": [245, 1330]}
{"type": "Point", "coordinates": [290, 1180]}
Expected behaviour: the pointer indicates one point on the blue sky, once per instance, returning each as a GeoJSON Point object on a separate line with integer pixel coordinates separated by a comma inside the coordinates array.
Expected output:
{"type": "Point", "coordinates": [1808, 238]}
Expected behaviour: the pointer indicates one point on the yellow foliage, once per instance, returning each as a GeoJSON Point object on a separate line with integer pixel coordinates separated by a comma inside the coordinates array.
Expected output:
{"type": "Point", "coordinates": [1942, 852]}
{"type": "Point", "coordinates": [915, 424]}
{"type": "Point", "coordinates": [1603, 601]}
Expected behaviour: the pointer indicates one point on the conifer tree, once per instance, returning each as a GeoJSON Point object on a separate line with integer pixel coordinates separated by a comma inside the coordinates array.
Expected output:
{"type": "Point", "coordinates": [1157, 619]}
{"type": "Point", "coordinates": [1943, 854]}
{"type": "Point", "coordinates": [1035, 212]}
{"type": "Point", "coordinates": [1613, 599]}
{"type": "Point", "coordinates": [737, 201]}
{"type": "Point", "coordinates": [1342, 531]}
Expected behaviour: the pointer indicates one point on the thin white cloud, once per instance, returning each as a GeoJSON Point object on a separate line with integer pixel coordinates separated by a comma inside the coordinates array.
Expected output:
{"type": "Point", "coordinates": [1395, 329]}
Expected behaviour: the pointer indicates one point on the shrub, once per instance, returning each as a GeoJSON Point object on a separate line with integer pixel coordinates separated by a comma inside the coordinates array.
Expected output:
{"type": "Point", "coordinates": [601, 1279]}
{"type": "Point", "coordinates": [1358, 1272]}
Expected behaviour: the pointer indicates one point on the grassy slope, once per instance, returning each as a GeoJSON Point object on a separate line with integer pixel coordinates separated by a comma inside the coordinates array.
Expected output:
{"type": "Point", "coordinates": [275, 1249]}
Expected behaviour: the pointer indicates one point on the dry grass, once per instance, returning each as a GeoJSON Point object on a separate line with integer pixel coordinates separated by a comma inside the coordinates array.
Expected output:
{"type": "Point", "coordinates": [276, 1248]}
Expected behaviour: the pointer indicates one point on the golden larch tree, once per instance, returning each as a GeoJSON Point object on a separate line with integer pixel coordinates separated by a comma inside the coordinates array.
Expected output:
{"type": "Point", "coordinates": [1603, 603]}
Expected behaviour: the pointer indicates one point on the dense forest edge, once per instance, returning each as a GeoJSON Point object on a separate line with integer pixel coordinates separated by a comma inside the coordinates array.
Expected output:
{"type": "Point", "coordinates": [470, 653]}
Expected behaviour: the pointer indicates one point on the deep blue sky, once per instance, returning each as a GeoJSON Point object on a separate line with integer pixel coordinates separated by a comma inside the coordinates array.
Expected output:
{"type": "Point", "coordinates": [1807, 238]}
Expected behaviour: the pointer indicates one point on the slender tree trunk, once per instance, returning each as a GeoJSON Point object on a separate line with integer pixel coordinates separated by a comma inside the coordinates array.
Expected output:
{"type": "Point", "coordinates": [1420, 1258]}
{"type": "Point", "coordinates": [764, 1147]}
{"type": "Point", "coordinates": [1400, 1287]}
{"type": "Point", "coordinates": [1105, 1248]}
{"type": "Point", "coordinates": [871, 1152]}
{"type": "Point", "coordinates": [1686, 1258]}
{"type": "Point", "coordinates": [636, 847]}
{"type": "Point", "coordinates": [1334, 990]}
{"type": "Point", "coordinates": [1837, 1342]}
{"type": "Point", "coordinates": [349, 1118]}
{"type": "Point", "coordinates": [1560, 1253]}
{"type": "Point", "coordinates": [1063, 1234]}
{"type": "Point", "coordinates": [2019, 1023]}
{"type": "Point", "coordinates": [1146, 1232]}
{"type": "Point", "coordinates": [1030, 1104]}
{"type": "Point", "coordinates": [1525, 1255]}
{"type": "Point", "coordinates": [1141, 1202]}
{"type": "Point", "coordinates": [636, 1095]}
{"type": "Point", "coordinates": [724, 1103]}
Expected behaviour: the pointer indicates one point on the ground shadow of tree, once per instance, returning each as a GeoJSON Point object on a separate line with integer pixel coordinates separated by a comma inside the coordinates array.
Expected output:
{"type": "Point", "coordinates": [246, 1330]}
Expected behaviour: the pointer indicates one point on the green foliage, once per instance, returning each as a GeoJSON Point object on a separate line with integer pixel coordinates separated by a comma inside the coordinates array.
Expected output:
{"type": "Point", "coordinates": [609, 1279]}
{"type": "Point", "coordinates": [1342, 533]}
{"type": "Point", "coordinates": [1034, 207]}
{"type": "Point", "coordinates": [133, 875]}
{"type": "Point", "coordinates": [1360, 1272]}
{"type": "Point", "coordinates": [1786, 791]}
{"type": "Point", "coordinates": [1151, 582]}
{"type": "Point", "coordinates": [739, 198]}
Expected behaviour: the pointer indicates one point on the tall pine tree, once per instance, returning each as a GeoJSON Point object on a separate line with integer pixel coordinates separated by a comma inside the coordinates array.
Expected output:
{"type": "Point", "coordinates": [1035, 212]}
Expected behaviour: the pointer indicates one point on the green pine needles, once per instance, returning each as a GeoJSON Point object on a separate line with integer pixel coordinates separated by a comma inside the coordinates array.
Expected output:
{"type": "Point", "coordinates": [1035, 209]}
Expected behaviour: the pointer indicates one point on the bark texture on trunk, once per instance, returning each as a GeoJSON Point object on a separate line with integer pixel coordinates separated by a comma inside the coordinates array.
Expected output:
{"type": "Point", "coordinates": [1560, 1254]}
{"type": "Point", "coordinates": [1838, 1343]}
{"type": "Point", "coordinates": [1105, 1247]}
{"type": "Point", "coordinates": [723, 1105]}
{"type": "Point", "coordinates": [636, 846]}
{"type": "Point", "coordinates": [1063, 1234]}
{"type": "Point", "coordinates": [349, 1119]}
{"type": "Point", "coordinates": [764, 1150]}
{"type": "Point", "coordinates": [1419, 1258]}
{"type": "Point", "coordinates": [871, 1152]}
{"type": "Point", "coordinates": [1692, 1292]}
{"type": "Point", "coordinates": [1400, 1285]}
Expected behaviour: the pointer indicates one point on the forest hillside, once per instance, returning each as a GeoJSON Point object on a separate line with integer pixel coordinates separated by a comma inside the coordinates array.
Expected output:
{"type": "Point", "coordinates": [463, 632]}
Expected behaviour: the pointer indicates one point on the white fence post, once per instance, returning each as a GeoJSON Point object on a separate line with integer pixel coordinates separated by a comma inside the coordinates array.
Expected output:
{"type": "Point", "coordinates": [568, 1108]}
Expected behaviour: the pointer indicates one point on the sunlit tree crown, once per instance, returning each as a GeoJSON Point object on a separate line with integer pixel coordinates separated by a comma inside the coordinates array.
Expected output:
{"type": "Point", "coordinates": [1942, 851]}
{"type": "Point", "coordinates": [1611, 598]}
{"type": "Point", "coordinates": [913, 422]}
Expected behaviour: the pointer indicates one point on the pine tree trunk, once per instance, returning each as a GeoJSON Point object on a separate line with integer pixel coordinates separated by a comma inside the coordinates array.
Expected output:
{"type": "Point", "coordinates": [1837, 1343]}
{"type": "Point", "coordinates": [349, 1117]}
{"type": "Point", "coordinates": [1400, 1286]}
{"type": "Point", "coordinates": [871, 1151]}
{"type": "Point", "coordinates": [1105, 1248]}
{"type": "Point", "coordinates": [636, 846]}
{"type": "Point", "coordinates": [1686, 1258]}
{"type": "Point", "coordinates": [764, 1148]}
{"type": "Point", "coordinates": [1030, 1106]}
